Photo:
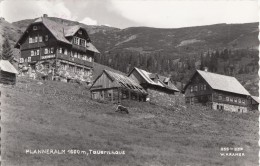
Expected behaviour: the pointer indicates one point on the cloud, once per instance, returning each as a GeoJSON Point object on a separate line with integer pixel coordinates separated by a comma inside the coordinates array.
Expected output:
{"type": "Point", "coordinates": [171, 13]}
{"type": "Point", "coordinates": [89, 21]}
{"type": "Point", "coordinates": [23, 9]}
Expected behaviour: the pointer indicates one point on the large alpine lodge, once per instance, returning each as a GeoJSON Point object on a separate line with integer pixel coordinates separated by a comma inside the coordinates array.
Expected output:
{"type": "Point", "coordinates": [55, 49]}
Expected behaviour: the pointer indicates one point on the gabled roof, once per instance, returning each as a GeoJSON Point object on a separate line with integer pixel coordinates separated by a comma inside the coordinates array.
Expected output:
{"type": "Point", "coordinates": [122, 81]}
{"type": "Point", "coordinates": [71, 30]}
{"type": "Point", "coordinates": [55, 28]}
{"type": "Point", "coordinates": [6, 66]}
{"type": "Point", "coordinates": [60, 31]}
{"type": "Point", "coordinates": [164, 79]}
{"type": "Point", "coordinates": [91, 47]}
{"type": "Point", "coordinates": [148, 78]}
{"type": "Point", "coordinates": [223, 82]}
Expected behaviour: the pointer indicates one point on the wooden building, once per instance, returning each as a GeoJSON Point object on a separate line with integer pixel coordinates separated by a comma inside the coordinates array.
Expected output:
{"type": "Point", "coordinates": [56, 49]}
{"type": "Point", "coordinates": [112, 86]}
{"type": "Point", "coordinates": [254, 103]}
{"type": "Point", "coordinates": [217, 91]}
{"type": "Point", "coordinates": [7, 73]}
{"type": "Point", "coordinates": [160, 89]}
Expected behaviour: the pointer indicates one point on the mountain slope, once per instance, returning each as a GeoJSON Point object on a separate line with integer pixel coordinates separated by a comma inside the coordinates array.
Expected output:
{"type": "Point", "coordinates": [172, 52]}
{"type": "Point", "coordinates": [57, 115]}
{"type": "Point", "coordinates": [190, 40]}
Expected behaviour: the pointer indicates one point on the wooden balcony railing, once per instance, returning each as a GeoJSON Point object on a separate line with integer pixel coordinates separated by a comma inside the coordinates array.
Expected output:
{"type": "Point", "coordinates": [75, 60]}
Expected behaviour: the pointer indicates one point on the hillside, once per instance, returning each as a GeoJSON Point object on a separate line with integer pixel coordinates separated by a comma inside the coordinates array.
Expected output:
{"type": "Point", "coordinates": [170, 52]}
{"type": "Point", "coordinates": [58, 115]}
{"type": "Point", "coordinates": [174, 42]}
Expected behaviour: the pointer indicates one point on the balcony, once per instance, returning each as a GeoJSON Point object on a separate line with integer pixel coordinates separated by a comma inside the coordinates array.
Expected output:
{"type": "Point", "coordinates": [75, 60]}
{"type": "Point", "coordinates": [79, 47]}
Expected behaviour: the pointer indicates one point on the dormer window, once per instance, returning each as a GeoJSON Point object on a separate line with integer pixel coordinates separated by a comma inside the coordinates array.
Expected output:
{"type": "Point", "coordinates": [80, 32]}
{"type": "Point", "coordinates": [35, 28]}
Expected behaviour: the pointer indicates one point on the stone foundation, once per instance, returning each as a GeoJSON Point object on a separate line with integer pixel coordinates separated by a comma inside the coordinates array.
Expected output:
{"type": "Point", "coordinates": [164, 99]}
{"type": "Point", "coordinates": [229, 107]}
{"type": "Point", "coordinates": [54, 69]}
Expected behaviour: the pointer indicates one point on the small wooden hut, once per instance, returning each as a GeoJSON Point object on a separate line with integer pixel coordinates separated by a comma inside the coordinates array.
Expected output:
{"type": "Point", "coordinates": [7, 73]}
{"type": "Point", "coordinates": [114, 87]}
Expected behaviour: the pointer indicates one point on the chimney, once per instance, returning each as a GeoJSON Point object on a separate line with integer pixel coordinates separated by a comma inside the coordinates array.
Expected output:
{"type": "Point", "coordinates": [205, 69]}
{"type": "Point", "coordinates": [45, 15]}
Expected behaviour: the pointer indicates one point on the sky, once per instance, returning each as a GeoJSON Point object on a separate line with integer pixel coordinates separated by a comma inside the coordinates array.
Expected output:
{"type": "Point", "coordinates": [129, 13]}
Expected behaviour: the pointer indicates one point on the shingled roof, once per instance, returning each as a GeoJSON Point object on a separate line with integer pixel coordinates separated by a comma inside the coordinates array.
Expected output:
{"type": "Point", "coordinates": [223, 82]}
{"type": "Point", "coordinates": [6, 66]}
{"type": "Point", "coordinates": [61, 31]}
{"type": "Point", "coordinates": [123, 81]}
{"type": "Point", "coordinates": [149, 79]}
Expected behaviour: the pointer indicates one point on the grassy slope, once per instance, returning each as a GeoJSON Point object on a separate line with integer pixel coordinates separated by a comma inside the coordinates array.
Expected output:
{"type": "Point", "coordinates": [150, 135]}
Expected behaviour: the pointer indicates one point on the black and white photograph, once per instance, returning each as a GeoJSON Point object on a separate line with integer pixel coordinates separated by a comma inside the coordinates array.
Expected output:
{"type": "Point", "coordinates": [129, 83]}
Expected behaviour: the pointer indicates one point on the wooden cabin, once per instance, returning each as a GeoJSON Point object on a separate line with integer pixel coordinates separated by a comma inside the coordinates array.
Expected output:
{"type": "Point", "coordinates": [160, 89]}
{"type": "Point", "coordinates": [220, 92]}
{"type": "Point", "coordinates": [115, 87]}
{"type": "Point", "coordinates": [8, 73]}
{"type": "Point", "coordinates": [254, 102]}
{"type": "Point", "coordinates": [56, 49]}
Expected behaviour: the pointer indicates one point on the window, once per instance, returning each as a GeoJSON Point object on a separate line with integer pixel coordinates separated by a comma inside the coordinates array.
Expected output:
{"type": "Point", "coordinates": [75, 54]}
{"type": "Point", "coordinates": [231, 99]}
{"type": "Point", "coordinates": [239, 100]}
{"type": "Point", "coordinates": [191, 89]}
{"type": "Point", "coordinates": [40, 38]}
{"type": "Point", "coordinates": [30, 40]}
{"type": "Point", "coordinates": [227, 98]}
{"type": "Point", "coordinates": [243, 101]}
{"type": "Point", "coordinates": [21, 60]}
{"type": "Point", "coordinates": [83, 42]}
{"type": "Point", "coordinates": [36, 39]}
{"type": "Point", "coordinates": [29, 59]}
{"type": "Point", "coordinates": [38, 52]}
{"type": "Point", "coordinates": [32, 53]}
{"type": "Point", "coordinates": [52, 50]}
{"type": "Point", "coordinates": [66, 52]}
{"type": "Point", "coordinates": [80, 32]}
{"type": "Point", "coordinates": [195, 88]}
{"type": "Point", "coordinates": [201, 87]}
{"type": "Point", "coordinates": [77, 40]}
{"type": "Point", "coordinates": [35, 27]}
{"type": "Point", "coordinates": [220, 97]}
{"type": "Point", "coordinates": [60, 50]}
{"type": "Point", "coordinates": [235, 100]}
{"type": "Point", "coordinates": [46, 37]}
{"type": "Point", "coordinates": [205, 86]}
{"type": "Point", "coordinates": [79, 56]}
{"type": "Point", "coordinates": [46, 51]}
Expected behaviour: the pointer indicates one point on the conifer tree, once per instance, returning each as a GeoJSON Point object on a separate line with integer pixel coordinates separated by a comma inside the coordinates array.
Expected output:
{"type": "Point", "coordinates": [6, 50]}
